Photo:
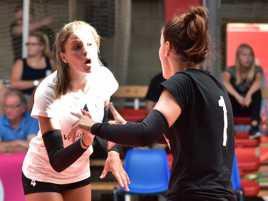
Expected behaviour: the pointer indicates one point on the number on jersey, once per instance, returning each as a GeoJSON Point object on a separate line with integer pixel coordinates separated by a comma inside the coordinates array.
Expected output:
{"type": "Point", "coordinates": [225, 126]}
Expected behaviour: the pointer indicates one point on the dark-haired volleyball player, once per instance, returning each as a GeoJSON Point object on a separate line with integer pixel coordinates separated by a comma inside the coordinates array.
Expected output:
{"type": "Point", "coordinates": [193, 111]}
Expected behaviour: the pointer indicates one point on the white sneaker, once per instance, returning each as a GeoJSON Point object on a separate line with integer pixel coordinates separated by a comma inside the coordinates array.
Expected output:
{"type": "Point", "coordinates": [256, 135]}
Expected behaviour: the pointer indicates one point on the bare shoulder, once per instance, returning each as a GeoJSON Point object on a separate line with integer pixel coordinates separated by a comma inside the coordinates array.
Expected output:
{"type": "Point", "coordinates": [169, 107]}
{"type": "Point", "coordinates": [18, 63]}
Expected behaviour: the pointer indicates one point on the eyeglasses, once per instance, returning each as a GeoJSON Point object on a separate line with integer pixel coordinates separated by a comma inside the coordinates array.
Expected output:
{"type": "Point", "coordinates": [32, 44]}
{"type": "Point", "coordinates": [11, 106]}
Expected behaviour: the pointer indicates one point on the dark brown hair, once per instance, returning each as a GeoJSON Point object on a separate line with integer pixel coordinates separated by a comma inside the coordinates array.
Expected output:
{"type": "Point", "coordinates": [188, 35]}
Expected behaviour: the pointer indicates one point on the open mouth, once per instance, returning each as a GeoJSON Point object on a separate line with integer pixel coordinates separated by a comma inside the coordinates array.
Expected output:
{"type": "Point", "coordinates": [88, 61]}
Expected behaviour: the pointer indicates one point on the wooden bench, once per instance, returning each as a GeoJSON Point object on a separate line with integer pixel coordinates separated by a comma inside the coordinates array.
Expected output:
{"type": "Point", "coordinates": [135, 92]}
{"type": "Point", "coordinates": [104, 186]}
{"type": "Point", "coordinates": [131, 91]}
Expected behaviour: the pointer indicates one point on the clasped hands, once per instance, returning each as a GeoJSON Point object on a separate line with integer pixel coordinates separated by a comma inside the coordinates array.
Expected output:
{"type": "Point", "coordinates": [85, 122]}
{"type": "Point", "coordinates": [244, 101]}
{"type": "Point", "coordinates": [113, 162]}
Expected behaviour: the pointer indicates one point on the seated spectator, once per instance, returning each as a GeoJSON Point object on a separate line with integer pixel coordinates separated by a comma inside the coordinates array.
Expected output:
{"type": "Point", "coordinates": [27, 73]}
{"type": "Point", "coordinates": [154, 91]}
{"type": "Point", "coordinates": [17, 127]}
{"type": "Point", "coordinates": [40, 25]}
{"type": "Point", "coordinates": [243, 83]}
{"type": "Point", "coordinates": [3, 89]}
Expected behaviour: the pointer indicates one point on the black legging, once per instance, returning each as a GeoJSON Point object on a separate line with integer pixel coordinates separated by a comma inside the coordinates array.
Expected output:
{"type": "Point", "coordinates": [253, 111]}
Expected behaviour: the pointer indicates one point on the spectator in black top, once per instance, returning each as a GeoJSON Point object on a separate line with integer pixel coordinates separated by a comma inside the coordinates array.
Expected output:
{"type": "Point", "coordinates": [27, 73]}
{"type": "Point", "coordinates": [34, 25]}
{"type": "Point", "coordinates": [154, 91]}
{"type": "Point", "coordinates": [243, 83]}
{"type": "Point", "coordinates": [194, 111]}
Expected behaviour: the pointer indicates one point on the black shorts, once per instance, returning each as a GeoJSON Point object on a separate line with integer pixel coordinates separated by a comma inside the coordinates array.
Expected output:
{"type": "Point", "coordinates": [31, 186]}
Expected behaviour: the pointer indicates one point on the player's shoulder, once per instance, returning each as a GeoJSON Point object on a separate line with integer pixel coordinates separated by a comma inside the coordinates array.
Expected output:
{"type": "Point", "coordinates": [47, 86]}
{"type": "Point", "coordinates": [231, 70]}
{"type": "Point", "coordinates": [103, 71]}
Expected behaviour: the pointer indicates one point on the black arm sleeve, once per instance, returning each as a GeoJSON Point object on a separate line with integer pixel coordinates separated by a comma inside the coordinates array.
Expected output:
{"type": "Point", "coordinates": [101, 141]}
{"type": "Point", "coordinates": [134, 133]}
{"type": "Point", "coordinates": [59, 157]}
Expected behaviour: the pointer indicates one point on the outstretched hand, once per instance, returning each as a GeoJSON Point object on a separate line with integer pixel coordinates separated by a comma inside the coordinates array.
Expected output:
{"type": "Point", "coordinates": [84, 124]}
{"type": "Point", "coordinates": [118, 119]}
{"type": "Point", "coordinates": [114, 165]}
{"type": "Point", "coordinates": [113, 162]}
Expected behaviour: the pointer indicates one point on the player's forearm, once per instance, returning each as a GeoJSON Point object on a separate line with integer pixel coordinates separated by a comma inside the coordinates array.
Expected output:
{"type": "Point", "coordinates": [254, 87]}
{"type": "Point", "coordinates": [231, 90]}
{"type": "Point", "coordinates": [59, 157]}
{"type": "Point", "coordinates": [142, 133]}
{"type": "Point", "coordinates": [23, 84]}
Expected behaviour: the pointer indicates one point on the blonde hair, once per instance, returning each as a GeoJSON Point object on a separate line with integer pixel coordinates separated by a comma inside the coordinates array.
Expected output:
{"type": "Point", "coordinates": [251, 72]}
{"type": "Point", "coordinates": [63, 78]}
{"type": "Point", "coordinates": [43, 39]}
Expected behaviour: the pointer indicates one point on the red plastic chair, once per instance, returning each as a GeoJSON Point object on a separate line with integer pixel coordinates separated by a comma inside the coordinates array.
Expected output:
{"type": "Point", "coordinates": [264, 154]}
{"type": "Point", "coordinates": [248, 161]}
{"type": "Point", "coordinates": [264, 139]}
{"type": "Point", "coordinates": [241, 135]}
{"type": "Point", "coordinates": [251, 188]}
{"type": "Point", "coordinates": [247, 142]}
{"type": "Point", "coordinates": [242, 120]}
{"type": "Point", "coordinates": [242, 138]}
{"type": "Point", "coordinates": [131, 114]}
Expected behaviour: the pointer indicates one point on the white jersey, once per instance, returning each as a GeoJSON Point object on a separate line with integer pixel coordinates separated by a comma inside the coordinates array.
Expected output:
{"type": "Point", "coordinates": [36, 166]}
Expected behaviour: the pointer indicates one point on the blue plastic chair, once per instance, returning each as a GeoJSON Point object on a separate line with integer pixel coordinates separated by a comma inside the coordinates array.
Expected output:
{"type": "Point", "coordinates": [235, 179]}
{"type": "Point", "coordinates": [148, 171]}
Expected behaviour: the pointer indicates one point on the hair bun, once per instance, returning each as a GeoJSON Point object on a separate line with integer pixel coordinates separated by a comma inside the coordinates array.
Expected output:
{"type": "Point", "coordinates": [200, 11]}
{"type": "Point", "coordinates": [188, 35]}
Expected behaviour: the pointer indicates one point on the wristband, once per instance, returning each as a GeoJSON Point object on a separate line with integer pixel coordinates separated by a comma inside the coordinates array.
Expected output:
{"type": "Point", "coordinates": [82, 143]}
{"type": "Point", "coordinates": [116, 148]}
{"type": "Point", "coordinates": [35, 83]}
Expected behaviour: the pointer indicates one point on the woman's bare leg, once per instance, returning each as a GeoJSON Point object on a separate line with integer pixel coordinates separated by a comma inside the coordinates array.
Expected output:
{"type": "Point", "coordinates": [82, 194]}
{"type": "Point", "coordinates": [44, 196]}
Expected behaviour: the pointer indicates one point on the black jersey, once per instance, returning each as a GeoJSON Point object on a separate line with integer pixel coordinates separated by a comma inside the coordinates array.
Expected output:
{"type": "Point", "coordinates": [155, 89]}
{"type": "Point", "coordinates": [30, 73]}
{"type": "Point", "coordinates": [201, 139]}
